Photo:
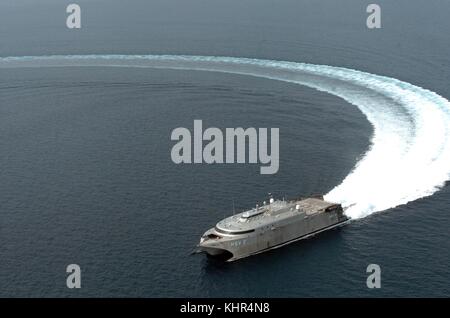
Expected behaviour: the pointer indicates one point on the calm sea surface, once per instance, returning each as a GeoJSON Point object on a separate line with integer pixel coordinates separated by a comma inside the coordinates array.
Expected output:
{"type": "Point", "coordinates": [85, 169]}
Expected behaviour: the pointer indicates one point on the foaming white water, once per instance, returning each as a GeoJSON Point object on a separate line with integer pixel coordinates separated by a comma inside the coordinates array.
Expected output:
{"type": "Point", "coordinates": [410, 153]}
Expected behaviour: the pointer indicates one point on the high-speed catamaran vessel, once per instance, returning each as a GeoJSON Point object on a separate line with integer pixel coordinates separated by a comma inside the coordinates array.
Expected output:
{"type": "Point", "coordinates": [270, 226]}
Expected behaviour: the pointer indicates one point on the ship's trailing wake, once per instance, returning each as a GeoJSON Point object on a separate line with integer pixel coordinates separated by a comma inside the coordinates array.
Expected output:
{"type": "Point", "coordinates": [409, 157]}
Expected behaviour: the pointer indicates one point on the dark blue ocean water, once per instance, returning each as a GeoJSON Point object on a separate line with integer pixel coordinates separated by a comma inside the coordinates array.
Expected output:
{"type": "Point", "coordinates": [85, 169]}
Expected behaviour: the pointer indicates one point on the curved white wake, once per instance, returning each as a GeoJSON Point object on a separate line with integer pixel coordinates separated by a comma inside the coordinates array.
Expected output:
{"type": "Point", "coordinates": [410, 153]}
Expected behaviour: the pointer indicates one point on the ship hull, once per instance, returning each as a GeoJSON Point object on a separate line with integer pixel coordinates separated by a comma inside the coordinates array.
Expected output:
{"type": "Point", "coordinates": [291, 241]}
